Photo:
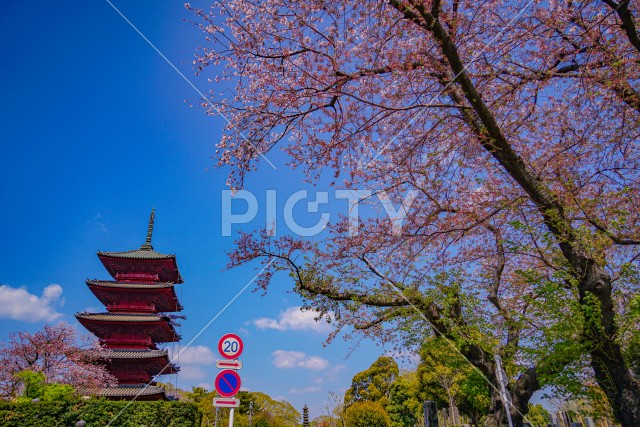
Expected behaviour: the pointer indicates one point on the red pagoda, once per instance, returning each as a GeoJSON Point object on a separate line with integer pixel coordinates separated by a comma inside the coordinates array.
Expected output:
{"type": "Point", "coordinates": [135, 322]}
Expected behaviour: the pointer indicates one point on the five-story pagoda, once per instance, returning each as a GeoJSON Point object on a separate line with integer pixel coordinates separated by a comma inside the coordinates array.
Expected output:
{"type": "Point", "coordinates": [135, 322]}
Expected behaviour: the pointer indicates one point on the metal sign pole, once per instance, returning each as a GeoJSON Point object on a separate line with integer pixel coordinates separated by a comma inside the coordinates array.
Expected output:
{"type": "Point", "coordinates": [504, 393]}
{"type": "Point", "coordinates": [231, 417]}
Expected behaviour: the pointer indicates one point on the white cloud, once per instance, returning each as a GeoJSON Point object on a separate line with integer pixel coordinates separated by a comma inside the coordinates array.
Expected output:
{"type": "Point", "coordinates": [190, 361]}
{"type": "Point", "coordinates": [331, 374]}
{"type": "Point", "coordinates": [196, 355]}
{"type": "Point", "coordinates": [294, 319]}
{"type": "Point", "coordinates": [190, 372]}
{"type": "Point", "coordinates": [96, 222]}
{"type": "Point", "coordinates": [296, 359]}
{"type": "Point", "coordinates": [310, 389]}
{"type": "Point", "coordinates": [19, 304]}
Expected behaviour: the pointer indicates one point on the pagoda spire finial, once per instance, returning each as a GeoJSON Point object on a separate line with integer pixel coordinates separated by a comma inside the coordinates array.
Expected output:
{"type": "Point", "coordinates": [147, 243]}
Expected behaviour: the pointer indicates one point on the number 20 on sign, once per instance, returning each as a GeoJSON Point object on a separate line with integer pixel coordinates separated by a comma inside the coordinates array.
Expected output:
{"type": "Point", "coordinates": [230, 346]}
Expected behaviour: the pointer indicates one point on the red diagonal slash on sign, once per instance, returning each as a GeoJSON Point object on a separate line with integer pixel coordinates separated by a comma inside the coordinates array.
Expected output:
{"type": "Point", "coordinates": [223, 383]}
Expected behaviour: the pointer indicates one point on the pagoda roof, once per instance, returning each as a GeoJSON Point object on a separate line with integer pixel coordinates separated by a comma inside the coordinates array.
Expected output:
{"type": "Point", "coordinates": [129, 330]}
{"type": "Point", "coordinates": [124, 391]}
{"type": "Point", "coordinates": [146, 250]}
{"type": "Point", "coordinates": [118, 353]}
{"type": "Point", "coordinates": [130, 285]}
{"type": "Point", "coordinates": [146, 297]}
{"type": "Point", "coordinates": [133, 366]}
{"type": "Point", "coordinates": [123, 317]}
{"type": "Point", "coordinates": [142, 253]}
{"type": "Point", "coordinates": [142, 263]}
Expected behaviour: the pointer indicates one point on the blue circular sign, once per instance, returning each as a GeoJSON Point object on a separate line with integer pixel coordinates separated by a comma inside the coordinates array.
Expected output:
{"type": "Point", "coordinates": [227, 383]}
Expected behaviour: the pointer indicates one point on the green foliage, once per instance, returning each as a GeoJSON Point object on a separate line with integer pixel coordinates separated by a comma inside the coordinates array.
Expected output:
{"type": "Point", "coordinates": [560, 349]}
{"type": "Point", "coordinates": [262, 421]}
{"type": "Point", "coordinates": [630, 335]}
{"type": "Point", "coordinates": [57, 392]}
{"type": "Point", "coordinates": [445, 377]}
{"type": "Point", "coordinates": [373, 384]}
{"type": "Point", "coordinates": [35, 387]}
{"type": "Point", "coordinates": [197, 394]}
{"type": "Point", "coordinates": [366, 414]}
{"type": "Point", "coordinates": [281, 412]}
{"type": "Point", "coordinates": [404, 407]}
{"type": "Point", "coordinates": [98, 413]}
{"type": "Point", "coordinates": [33, 383]}
{"type": "Point", "coordinates": [538, 416]}
{"type": "Point", "coordinates": [325, 421]}
{"type": "Point", "coordinates": [267, 412]}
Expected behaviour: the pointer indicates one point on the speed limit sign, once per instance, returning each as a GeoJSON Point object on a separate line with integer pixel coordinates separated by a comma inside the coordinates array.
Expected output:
{"type": "Point", "coordinates": [230, 346]}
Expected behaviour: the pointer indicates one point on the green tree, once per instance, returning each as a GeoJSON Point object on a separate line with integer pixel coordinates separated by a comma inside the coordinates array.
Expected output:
{"type": "Point", "coordinates": [630, 331]}
{"type": "Point", "coordinates": [280, 412]}
{"type": "Point", "coordinates": [57, 392]}
{"type": "Point", "coordinates": [495, 115]}
{"type": "Point", "coordinates": [197, 394]}
{"type": "Point", "coordinates": [374, 383]}
{"type": "Point", "coordinates": [33, 383]}
{"type": "Point", "coordinates": [445, 377]}
{"type": "Point", "coordinates": [538, 416]}
{"type": "Point", "coordinates": [404, 406]}
{"type": "Point", "coordinates": [36, 387]}
{"type": "Point", "coordinates": [332, 412]}
{"type": "Point", "coordinates": [325, 421]}
{"type": "Point", "coordinates": [267, 412]}
{"type": "Point", "coordinates": [366, 414]}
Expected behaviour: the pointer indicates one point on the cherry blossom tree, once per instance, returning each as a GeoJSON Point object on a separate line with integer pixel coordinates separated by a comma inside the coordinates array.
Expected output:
{"type": "Point", "coordinates": [54, 352]}
{"type": "Point", "coordinates": [516, 124]}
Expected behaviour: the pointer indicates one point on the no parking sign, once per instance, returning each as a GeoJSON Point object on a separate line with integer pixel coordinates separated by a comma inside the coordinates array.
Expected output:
{"type": "Point", "coordinates": [227, 383]}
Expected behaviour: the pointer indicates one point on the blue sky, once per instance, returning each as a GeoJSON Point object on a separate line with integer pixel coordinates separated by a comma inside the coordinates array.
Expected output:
{"type": "Point", "coordinates": [96, 129]}
{"type": "Point", "coordinates": [95, 132]}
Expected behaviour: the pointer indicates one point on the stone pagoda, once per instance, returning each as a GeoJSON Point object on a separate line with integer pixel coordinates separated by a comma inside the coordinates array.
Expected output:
{"type": "Point", "coordinates": [137, 300]}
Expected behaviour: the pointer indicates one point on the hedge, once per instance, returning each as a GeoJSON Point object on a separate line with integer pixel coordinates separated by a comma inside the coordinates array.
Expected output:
{"type": "Point", "coordinates": [98, 413]}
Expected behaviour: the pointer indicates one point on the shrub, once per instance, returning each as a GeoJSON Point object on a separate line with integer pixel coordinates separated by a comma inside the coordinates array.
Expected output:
{"type": "Point", "coordinates": [98, 413]}
{"type": "Point", "coordinates": [366, 414]}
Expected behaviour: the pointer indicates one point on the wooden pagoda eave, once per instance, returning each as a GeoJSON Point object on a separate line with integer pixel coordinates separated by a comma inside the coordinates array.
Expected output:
{"type": "Point", "coordinates": [153, 366]}
{"type": "Point", "coordinates": [159, 330]}
{"type": "Point", "coordinates": [133, 297]}
{"type": "Point", "coordinates": [156, 269]}
{"type": "Point", "coordinates": [126, 392]}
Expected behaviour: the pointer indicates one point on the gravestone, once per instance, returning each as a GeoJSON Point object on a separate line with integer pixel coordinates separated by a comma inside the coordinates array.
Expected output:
{"type": "Point", "coordinates": [430, 414]}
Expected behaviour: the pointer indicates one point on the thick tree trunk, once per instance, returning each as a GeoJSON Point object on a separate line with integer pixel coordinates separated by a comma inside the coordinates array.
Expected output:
{"type": "Point", "coordinates": [496, 417]}
{"type": "Point", "coordinates": [611, 371]}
